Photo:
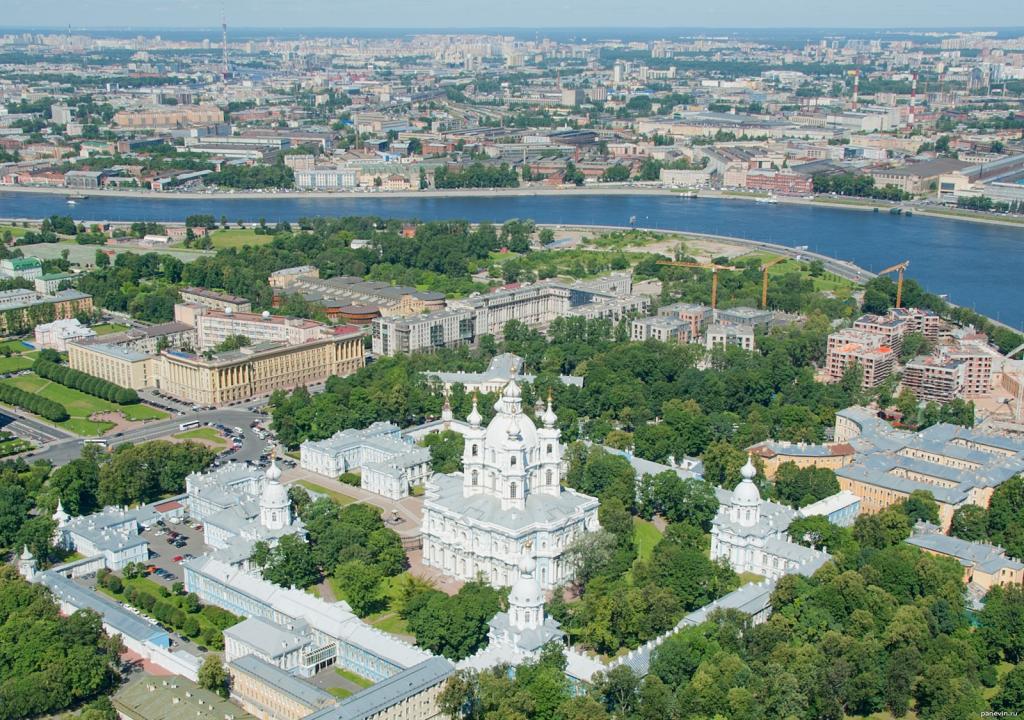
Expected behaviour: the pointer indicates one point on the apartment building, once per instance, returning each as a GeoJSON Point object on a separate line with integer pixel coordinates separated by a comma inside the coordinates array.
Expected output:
{"type": "Point", "coordinates": [662, 328]}
{"type": "Point", "coordinates": [720, 335]}
{"type": "Point", "coordinates": [696, 315]}
{"type": "Point", "coordinates": [326, 178]}
{"type": "Point", "coordinates": [858, 347]}
{"type": "Point", "coordinates": [396, 335]}
{"type": "Point", "coordinates": [959, 466]}
{"type": "Point", "coordinates": [215, 300]}
{"type": "Point", "coordinates": [926, 322]}
{"type": "Point", "coordinates": [214, 326]}
{"type": "Point", "coordinates": [956, 371]}
{"type": "Point", "coordinates": [22, 310]}
{"type": "Point", "coordinates": [890, 328]}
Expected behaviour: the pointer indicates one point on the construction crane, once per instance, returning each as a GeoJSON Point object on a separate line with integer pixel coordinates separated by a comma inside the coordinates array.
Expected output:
{"type": "Point", "coordinates": [764, 279]}
{"type": "Point", "coordinates": [900, 269]}
{"type": "Point", "coordinates": [706, 266]}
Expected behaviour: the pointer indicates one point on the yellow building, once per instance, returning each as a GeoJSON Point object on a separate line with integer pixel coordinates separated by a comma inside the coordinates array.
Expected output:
{"type": "Point", "coordinates": [409, 695]}
{"type": "Point", "coordinates": [803, 455]}
{"type": "Point", "coordinates": [227, 377]}
{"type": "Point", "coordinates": [270, 693]}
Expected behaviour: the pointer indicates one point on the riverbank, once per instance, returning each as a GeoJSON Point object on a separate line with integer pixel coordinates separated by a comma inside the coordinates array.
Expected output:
{"type": "Point", "coordinates": [858, 204]}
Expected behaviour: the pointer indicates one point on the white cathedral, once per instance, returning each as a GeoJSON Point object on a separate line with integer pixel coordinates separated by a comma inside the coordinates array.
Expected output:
{"type": "Point", "coordinates": [508, 504]}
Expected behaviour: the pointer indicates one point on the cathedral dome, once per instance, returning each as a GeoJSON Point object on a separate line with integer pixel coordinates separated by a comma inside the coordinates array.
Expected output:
{"type": "Point", "coordinates": [274, 495]}
{"type": "Point", "coordinates": [526, 592]}
{"type": "Point", "coordinates": [746, 493]}
{"type": "Point", "coordinates": [510, 421]}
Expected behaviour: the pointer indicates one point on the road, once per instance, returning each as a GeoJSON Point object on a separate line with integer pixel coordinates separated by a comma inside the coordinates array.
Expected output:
{"type": "Point", "coordinates": [27, 427]}
{"type": "Point", "coordinates": [65, 450]}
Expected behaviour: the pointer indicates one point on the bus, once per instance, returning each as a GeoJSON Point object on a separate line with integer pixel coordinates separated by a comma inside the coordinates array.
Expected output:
{"type": "Point", "coordinates": [95, 441]}
{"type": "Point", "coordinates": [190, 425]}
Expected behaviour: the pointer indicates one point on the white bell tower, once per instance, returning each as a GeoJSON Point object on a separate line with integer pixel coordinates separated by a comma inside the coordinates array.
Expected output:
{"type": "Point", "coordinates": [549, 474]}
{"type": "Point", "coordinates": [474, 477]}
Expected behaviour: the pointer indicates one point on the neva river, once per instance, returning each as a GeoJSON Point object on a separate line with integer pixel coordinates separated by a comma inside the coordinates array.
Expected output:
{"type": "Point", "coordinates": [976, 265]}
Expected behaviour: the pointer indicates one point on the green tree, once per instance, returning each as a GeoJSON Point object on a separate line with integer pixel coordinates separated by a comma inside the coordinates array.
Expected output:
{"type": "Point", "coordinates": [362, 585]}
{"type": "Point", "coordinates": [213, 676]}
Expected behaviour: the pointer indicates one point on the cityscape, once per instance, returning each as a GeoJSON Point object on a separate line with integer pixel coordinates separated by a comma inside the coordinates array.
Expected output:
{"type": "Point", "coordinates": [511, 363]}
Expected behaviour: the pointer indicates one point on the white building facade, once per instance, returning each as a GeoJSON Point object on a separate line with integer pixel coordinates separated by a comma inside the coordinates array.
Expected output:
{"type": "Point", "coordinates": [508, 503]}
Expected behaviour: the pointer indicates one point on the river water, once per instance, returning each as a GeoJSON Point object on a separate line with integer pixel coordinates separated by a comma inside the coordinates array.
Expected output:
{"type": "Point", "coordinates": [974, 264]}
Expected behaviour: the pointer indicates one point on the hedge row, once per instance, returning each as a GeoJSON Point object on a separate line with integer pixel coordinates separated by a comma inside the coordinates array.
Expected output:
{"type": "Point", "coordinates": [36, 404]}
{"type": "Point", "coordinates": [89, 384]}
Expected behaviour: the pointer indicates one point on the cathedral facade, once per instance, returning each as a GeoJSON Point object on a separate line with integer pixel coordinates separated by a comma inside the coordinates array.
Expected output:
{"type": "Point", "coordinates": [508, 504]}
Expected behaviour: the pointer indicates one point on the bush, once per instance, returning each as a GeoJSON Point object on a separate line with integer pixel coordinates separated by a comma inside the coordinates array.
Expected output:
{"type": "Point", "coordinates": [115, 585]}
{"type": "Point", "coordinates": [350, 478]}
{"type": "Point", "coordinates": [83, 382]}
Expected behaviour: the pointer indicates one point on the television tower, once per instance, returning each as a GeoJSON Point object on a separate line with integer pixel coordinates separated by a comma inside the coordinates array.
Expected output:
{"type": "Point", "coordinates": [225, 70]}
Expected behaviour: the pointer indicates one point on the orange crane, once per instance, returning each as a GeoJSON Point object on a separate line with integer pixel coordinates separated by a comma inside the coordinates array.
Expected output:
{"type": "Point", "coordinates": [764, 279]}
{"type": "Point", "coordinates": [900, 268]}
{"type": "Point", "coordinates": [707, 266]}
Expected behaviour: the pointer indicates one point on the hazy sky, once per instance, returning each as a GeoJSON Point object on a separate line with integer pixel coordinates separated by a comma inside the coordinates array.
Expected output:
{"type": "Point", "coordinates": [519, 14]}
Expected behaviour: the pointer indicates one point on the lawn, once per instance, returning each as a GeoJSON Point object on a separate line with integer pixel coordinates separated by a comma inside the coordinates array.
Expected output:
{"type": "Point", "coordinates": [338, 497]}
{"type": "Point", "coordinates": [80, 405]}
{"type": "Point", "coordinates": [237, 237]}
{"type": "Point", "coordinates": [645, 537]}
{"type": "Point", "coordinates": [862, 202]}
{"type": "Point", "coordinates": [108, 328]}
{"type": "Point", "coordinates": [340, 693]}
{"type": "Point", "coordinates": [15, 346]}
{"type": "Point", "coordinates": [14, 363]}
{"type": "Point", "coordinates": [352, 677]}
{"type": "Point", "coordinates": [15, 231]}
{"type": "Point", "coordinates": [205, 433]}
{"type": "Point", "coordinates": [14, 446]}
{"type": "Point", "coordinates": [749, 577]}
{"type": "Point", "coordinates": [827, 282]}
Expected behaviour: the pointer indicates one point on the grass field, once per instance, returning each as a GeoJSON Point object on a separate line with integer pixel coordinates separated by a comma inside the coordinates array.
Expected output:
{"type": "Point", "coordinates": [15, 346]}
{"type": "Point", "coordinates": [14, 446]}
{"type": "Point", "coordinates": [15, 231]}
{"type": "Point", "coordinates": [80, 406]}
{"type": "Point", "coordinates": [828, 282]}
{"type": "Point", "coordinates": [205, 433]}
{"type": "Point", "coordinates": [340, 693]}
{"type": "Point", "coordinates": [237, 237]}
{"type": "Point", "coordinates": [338, 497]}
{"type": "Point", "coordinates": [645, 537]}
{"type": "Point", "coordinates": [352, 677]}
{"type": "Point", "coordinates": [749, 577]}
{"type": "Point", "coordinates": [108, 328]}
{"type": "Point", "coordinates": [14, 363]}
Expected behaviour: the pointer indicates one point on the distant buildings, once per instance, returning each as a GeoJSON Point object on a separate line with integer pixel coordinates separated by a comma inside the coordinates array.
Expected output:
{"type": "Point", "coordinates": [169, 117]}
{"type": "Point", "coordinates": [868, 350]}
{"type": "Point", "coordinates": [27, 268]}
{"type": "Point", "coordinates": [985, 566]}
{"type": "Point", "coordinates": [500, 370]}
{"type": "Point", "coordinates": [215, 300]}
{"type": "Point", "coordinates": [24, 309]}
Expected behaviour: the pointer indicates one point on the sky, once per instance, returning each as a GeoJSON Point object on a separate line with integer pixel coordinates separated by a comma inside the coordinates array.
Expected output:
{"type": "Point", "coordinates": [518, 14]}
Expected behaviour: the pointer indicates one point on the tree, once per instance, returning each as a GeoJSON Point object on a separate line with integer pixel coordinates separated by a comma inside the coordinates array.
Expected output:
{"type": "Point", "coordinates": [102, 260]}
{"type": "Point", "coordinates": [681, 500]}
{"type": "Point", "coordinates": [289, 563]}
{"type": "Point", "coordinates": [921, 505]}
{"type": "Point", "coordinates": [362, 586]}
{"type": "Point", "coordinates": [1010, 697]}
{"type": "Point", "coordinates": [213, 676]}
{"type": "Point", "coordinates": [445, 451]}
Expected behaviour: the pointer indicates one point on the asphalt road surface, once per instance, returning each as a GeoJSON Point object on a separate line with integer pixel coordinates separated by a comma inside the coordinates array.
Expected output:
{"type": "Point", "coordinates": [69, 448]}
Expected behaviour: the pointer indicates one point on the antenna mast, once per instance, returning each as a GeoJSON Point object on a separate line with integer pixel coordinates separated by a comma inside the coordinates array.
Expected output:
{"type": "Point", "coordinates": [225, 71]}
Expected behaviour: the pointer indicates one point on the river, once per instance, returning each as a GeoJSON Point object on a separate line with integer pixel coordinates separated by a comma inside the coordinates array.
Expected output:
{"type": "Point", "coordinates": [976, 265]}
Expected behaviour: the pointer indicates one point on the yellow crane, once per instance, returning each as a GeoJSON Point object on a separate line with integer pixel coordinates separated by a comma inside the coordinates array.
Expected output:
{"type": "Point", "coordinates": [764, 279]}
{"type": "Point", "coordinates": [706, 266]}
{"type": "Point", "coordinates": [900, 268]}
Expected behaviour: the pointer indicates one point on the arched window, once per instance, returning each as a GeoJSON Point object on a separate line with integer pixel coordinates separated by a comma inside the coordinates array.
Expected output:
{"type": "Point", "coordinates": [551, 448]}
{"type": "Point", "coordinates": [476, 477]}
{"type": "Point", "coordinates": [548, 476]}
{"type": "Point", "coordinates": [528, 616]}
{"type": "Point", "coordinates": [512, 461]}
{"type": "Point", "coordinates": [475, 450]}
{"type": "Point", "coordinates": [512, 490]}
{"type": "Point", "coordinates": [273, 517]}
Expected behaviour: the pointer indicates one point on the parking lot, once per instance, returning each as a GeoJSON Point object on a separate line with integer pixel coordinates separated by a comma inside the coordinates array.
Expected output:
{"type": "Point", "coordinates": [162, 553]}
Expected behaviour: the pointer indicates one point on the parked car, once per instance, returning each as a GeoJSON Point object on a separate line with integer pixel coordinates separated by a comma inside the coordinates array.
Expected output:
{"type": "Point", "coordinates": [177, 558]}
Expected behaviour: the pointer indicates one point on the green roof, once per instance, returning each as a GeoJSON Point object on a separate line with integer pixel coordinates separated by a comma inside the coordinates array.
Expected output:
{"type": "Point", "coordinates": [25, 263]}
{"type": "Point", "coordinates": [56, 276]}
